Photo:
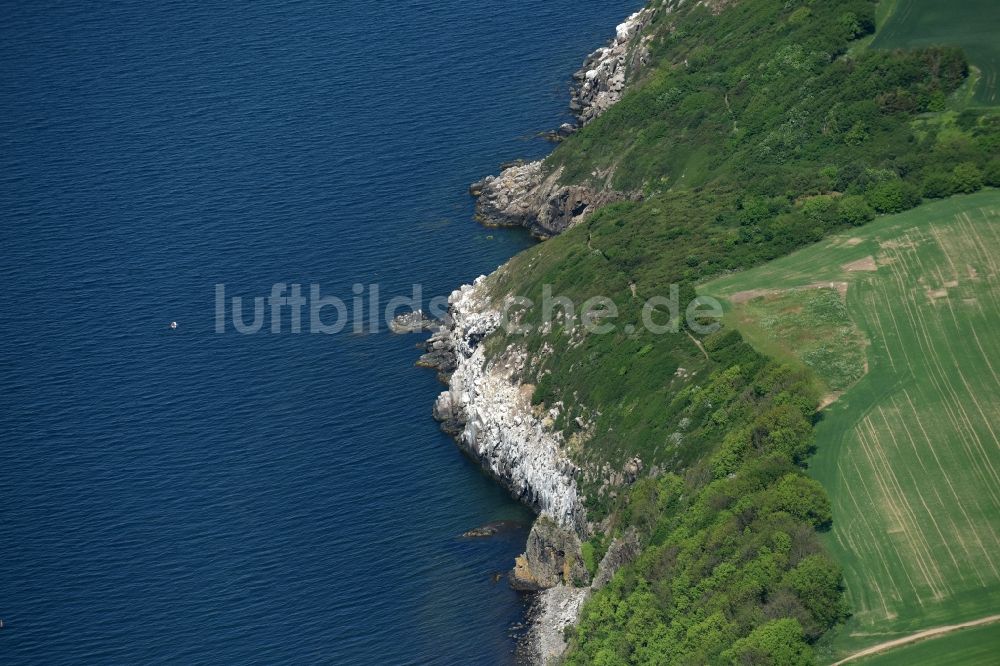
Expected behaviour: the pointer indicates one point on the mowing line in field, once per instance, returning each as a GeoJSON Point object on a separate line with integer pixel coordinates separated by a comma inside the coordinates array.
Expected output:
{"type": "Point", "coordinates": [889, 576]}
{"type": "Point", "coordinates": [892, 487]}
{"type": "Point", "coordinates": [982, 352]}
{"type": "Point", "coordinates": [947, 478]}
{"type": "Point", "coordinates": [916, 485]}
{"type": "Point", "coordinates": [889, 505]}
{"type": "Point", "coordinates": [919, 539]}
{"type": "Point", "coordinates": [878, 324]}
{"type": "Point", "coordinates": [960, 504]}
{"type": "Point", "coordinates": [929, 352]}
{"type": "Point", "coordinates": [872, 540]}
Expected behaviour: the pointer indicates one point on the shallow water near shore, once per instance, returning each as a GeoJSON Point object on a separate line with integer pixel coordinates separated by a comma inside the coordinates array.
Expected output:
{"type": "Point", "coordinates": [184, 496]}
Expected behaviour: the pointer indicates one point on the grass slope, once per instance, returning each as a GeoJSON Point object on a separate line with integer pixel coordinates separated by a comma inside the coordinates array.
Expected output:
{"type": "Point", "coordinates": [911, 454]}
{"type": "Point", "coordinates": [972, 24]}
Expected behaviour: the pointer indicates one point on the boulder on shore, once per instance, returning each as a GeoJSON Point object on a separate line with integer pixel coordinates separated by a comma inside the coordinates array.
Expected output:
{"type": "Point", "coordinates": [413, 322]}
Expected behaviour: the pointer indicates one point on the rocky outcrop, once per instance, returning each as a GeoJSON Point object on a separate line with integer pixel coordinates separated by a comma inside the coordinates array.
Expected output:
{"type": "Point", "coordinates": [552, 557]}
{"type": "Point", "coordinates": [622, 551]}
{"type": "Point", "coordinates": [558, 607]}
{"type": "Point", "coordinates": [492, 529]}
{"type": "Point", "coordinates": [440, 355]}
{"type": "Point", "coordinates": [490, 414]}
{"type": "Point", "coordinates": [601, 81]}
{"type": "Point", "coordinates": [485, 408]}
{"type": "Point", "coordinates": [413, 322]}
{"type": "Point", "coordinates": [526, 196]}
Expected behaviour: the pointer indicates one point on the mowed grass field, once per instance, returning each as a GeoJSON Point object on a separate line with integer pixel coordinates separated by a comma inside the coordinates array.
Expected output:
{"type": "Point", "coordinates": [910, 454]}
{"type": "Point", "coordinates": [973, 25]}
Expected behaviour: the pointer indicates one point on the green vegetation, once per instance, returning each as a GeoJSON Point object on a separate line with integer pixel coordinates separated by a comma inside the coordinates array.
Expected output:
{"type": "Point", "coordinates": [910, 455]}
{"type": "Point", "coordinates": [733, 566]}
{"type": "Point", "coordinates": [978, 646]}
{"type": "Point", "coordinates": [757, 130]}
{"type": "Point", "coordinates": [590, 560]}
{"type": "Point", "coordinates": [761, 102]}
{"type": "Point", "coordinates": [810, 325]}
{"type": "Point", "coordinates": [972, 24]}
{"type": "Point", "coordinates": [759, 198]}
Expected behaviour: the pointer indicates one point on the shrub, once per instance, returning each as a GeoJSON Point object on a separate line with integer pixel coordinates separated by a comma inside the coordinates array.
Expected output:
{"type": "Point", "coordinates": [939, 184]}
{"type": "Point", "coordinates": [892, 196]}
{"type": "Point", "coordinates": [991, 174]}
{"type": "Point", "coordinates": [818, 582]}
{"type": "Point", "coordinates": [820, 209]}
{"type": "Point", "coordinates": [968, 178]}
{"type": "Point", "coordinates": [855, 210]}
{"type": "Point", "coordinates": [801, 497]}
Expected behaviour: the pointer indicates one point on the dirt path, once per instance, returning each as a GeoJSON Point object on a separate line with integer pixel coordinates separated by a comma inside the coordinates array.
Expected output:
{"type": "Point", "coordinates": [698, 344]}
{"type": "Point", "coordinates": [913, 638]}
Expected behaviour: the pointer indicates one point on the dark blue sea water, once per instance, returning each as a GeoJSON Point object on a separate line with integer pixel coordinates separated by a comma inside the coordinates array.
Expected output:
{"type": "Point", "coordinates": [188, 497]}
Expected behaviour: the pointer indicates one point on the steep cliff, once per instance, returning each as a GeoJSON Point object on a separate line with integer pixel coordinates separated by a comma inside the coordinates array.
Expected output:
{"type": "Point", "coordinates": [759, 127]}
{"type": "Point", "coordinates": [490, 414]}
{"type": "Point", "coordinates": [491, 417]}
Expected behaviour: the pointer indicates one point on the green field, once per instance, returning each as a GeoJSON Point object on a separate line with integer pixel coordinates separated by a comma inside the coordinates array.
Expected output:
{"type": "Point", "coordinates": [972, 24]}
{"type": "Point", "coordinates": [979, 645]}
{"type": "Point", "coordinates": [910, 454]}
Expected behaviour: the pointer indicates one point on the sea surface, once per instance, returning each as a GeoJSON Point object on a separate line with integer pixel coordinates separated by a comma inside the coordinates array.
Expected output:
{"type": "Point", "coordinates": [185, 496]}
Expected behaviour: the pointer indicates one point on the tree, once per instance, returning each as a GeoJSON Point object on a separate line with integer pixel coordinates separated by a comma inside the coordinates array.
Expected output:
{"type": "Point", "coordinates": [783, 429]}
{"type": "Point", "coordinates": [801, 497]}
{"type": "Point", "coordinates": [991, 174]}
{"type": "Point", "coordinates": [939, 184]}
{"type": "Point", "coordinates": [777, 643]}
{"type": "Point", "coordinates": [892, 196]}
{"type": "Point", "coordinates": [817, 581]}
{"type": "Point", "coordinates": [820, 208]}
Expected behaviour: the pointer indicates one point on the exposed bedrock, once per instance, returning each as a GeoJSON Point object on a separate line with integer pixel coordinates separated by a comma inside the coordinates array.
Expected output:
{"type": "Point", "coordinates": [530, 195]}
{"type": "Point", "coordinates": [526, 196]}
{"type": "Point", "coordinates": [490, 414]}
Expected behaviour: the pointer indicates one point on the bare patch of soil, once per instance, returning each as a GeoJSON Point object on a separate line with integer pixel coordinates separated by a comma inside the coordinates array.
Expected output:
{"type": "Point", "coordinates": [866, 264]}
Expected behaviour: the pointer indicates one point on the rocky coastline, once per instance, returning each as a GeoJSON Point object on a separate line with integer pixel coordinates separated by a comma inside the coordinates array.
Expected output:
{"type": "Point", "coordinates": [531, 196]}
{"type": "Point", "coordinates": [489, 412]}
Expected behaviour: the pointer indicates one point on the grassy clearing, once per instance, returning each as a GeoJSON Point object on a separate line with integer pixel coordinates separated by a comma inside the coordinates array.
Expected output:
{"type": "Point", "coordinates": [809, 327]}
{"type": "Point", "coordinates": [972, 24]}
{"type": "Point", "coordinates": [911, 454]}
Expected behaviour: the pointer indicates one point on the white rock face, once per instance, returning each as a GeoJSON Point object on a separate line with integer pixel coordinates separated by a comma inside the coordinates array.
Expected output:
{"type": "Point", "coordinates": [499, 428]}
{"type": "Point", "coordinates": [601, 82]}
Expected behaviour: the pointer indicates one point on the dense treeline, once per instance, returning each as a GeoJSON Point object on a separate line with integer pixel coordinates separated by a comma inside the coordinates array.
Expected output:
{"type": "Point", "coordinates": [758, 129]}
{"type": "Point", "coordinates": [733, 570]}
